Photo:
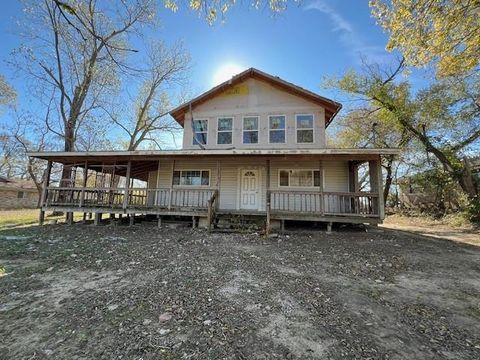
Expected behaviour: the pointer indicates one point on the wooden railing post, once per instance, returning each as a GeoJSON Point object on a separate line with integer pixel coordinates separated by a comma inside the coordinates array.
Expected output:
{"type": "Point", "coordinates": [127, 185]}
{"type": "Point", "coordinates": [171, 186]}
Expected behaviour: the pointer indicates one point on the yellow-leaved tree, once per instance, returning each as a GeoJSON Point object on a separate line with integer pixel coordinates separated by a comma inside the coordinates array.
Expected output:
{"type": "Point", "coordinates": [211, 10]}
{"type": "Point", "coordinates": [445, 33]}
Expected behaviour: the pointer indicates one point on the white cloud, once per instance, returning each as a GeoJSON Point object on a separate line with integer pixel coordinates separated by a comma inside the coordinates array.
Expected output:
{"type": "Point", "coordinates": [349, 37]}
{"type": "Point", "coordinates": [341, 24]}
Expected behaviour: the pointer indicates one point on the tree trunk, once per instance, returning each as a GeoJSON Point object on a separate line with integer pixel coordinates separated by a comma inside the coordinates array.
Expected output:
{"type": "Point", "coordinates": [66, 179]}
{"type": "Point", "coordinates": [463, 177]}
{"type": "Point", "coordinates": [388, 180]}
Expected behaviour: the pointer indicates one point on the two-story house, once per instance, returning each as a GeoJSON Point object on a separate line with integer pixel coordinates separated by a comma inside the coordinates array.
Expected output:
{"type": "Point", "coordinates": [254, 145]}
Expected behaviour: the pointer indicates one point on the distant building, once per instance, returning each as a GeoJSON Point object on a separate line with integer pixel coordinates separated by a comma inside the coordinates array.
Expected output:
{"type": "Point", "coordinates": [17, 193]}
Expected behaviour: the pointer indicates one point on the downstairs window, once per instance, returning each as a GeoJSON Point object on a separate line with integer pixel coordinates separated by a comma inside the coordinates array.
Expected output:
{"type": "Point", "coordinates": [191, 177]}
{"type": "Point", "coordinates": [299, 178]}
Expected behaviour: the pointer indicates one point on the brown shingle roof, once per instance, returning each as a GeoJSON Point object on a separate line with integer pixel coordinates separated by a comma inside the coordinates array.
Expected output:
{"type": "Point", "coordinates": [14, 184]}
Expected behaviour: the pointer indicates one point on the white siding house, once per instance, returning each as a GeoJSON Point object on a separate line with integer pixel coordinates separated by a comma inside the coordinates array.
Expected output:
{"type": "Point", "coordinates": [254, 145]}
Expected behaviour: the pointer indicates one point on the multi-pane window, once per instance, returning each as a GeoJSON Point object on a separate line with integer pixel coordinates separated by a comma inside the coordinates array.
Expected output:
{"type": "Point", "coordinates": [299, 178]}
{"type": "Point", "coordinates": [20, 195]}
{"type": "Point", "coordinates": [276, 128]}
{"type": "Point", "coordinates": [304, 128]}
{"type": "Point", "coordinates": [224, 130]}
{"type": "Point", "coordinates": [250, 130]}
{"type": "Point", "coordinates": [200, 132]}
{"type": "Point", "coordinates": [191, 177]}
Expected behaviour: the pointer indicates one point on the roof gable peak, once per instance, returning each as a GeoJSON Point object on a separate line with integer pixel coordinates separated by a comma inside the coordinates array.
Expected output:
{"type": "Point", "coordinates": [331, 107]}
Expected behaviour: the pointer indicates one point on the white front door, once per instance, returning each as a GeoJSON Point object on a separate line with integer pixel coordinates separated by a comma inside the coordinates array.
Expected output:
{"type": "Point", "coordinates": [249, 191]}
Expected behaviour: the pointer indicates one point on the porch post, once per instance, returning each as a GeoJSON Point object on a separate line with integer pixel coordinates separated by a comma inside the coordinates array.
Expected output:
{"type": "Point", "coordinates": [127, 185]}
{"type": "Point", "coordinates": [73, 178]}
{"type": "Point", "coordinates": [320, 187]}
{"type": "Point", "coordinates": [376, 182]}
{"type": "Point", "coordinates": [111, 185]}
{"type": "Point", "coordinates": [98, 219]}
{"type": "Point", "coordinates": [268, 204]}
{"type": "Point", "coordinates": [171, 186]}
{"type": "Point", "coordinates": [381, 206]}
{"type": "Point", "coordinates": [43, 196]}
{"type": "Point", "coordinates": [84, 185]}
{"type": "Point", "coordinates": [219, 178]}
{"type": "Point", "coordinates": [353, 185]}
{"type": "Point", "coordinates": [157, 198]}
{"type": "Point", "coordinates": [353, 176]}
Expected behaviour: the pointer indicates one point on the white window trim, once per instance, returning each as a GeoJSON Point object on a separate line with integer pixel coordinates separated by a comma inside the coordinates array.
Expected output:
{"type": "Point", "coordinates": [223, 131]}
{"type": "Point", "coordinates": [200, 132]}
{"type": "Point", "coordinates": [192, 186]}
{"type": "Point", "coordinates": [285, 129]}
{"type": "Point", "coordinates": [258, 129]}
{"type": "Point", "coordinates": [298, 187]}
{"type": "Point", "coordinates": [313, 129]}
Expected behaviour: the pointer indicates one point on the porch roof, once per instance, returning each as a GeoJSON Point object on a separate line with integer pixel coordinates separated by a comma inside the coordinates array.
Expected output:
{"type": "Point", "coordinates": [152, 155]}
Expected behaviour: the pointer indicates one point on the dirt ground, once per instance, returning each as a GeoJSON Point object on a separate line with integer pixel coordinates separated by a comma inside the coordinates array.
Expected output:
{"type": "Point", "coordinates": [86, 292]}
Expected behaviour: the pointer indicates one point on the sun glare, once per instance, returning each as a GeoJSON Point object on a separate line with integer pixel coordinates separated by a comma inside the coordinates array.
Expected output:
{"type": "Point", "coordinates": [225, 72]}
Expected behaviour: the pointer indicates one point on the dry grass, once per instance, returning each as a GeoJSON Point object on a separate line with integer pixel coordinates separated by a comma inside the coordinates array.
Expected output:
{"type": "Point", "coordinates": [18, 217]}
{"type": "Point", "coordinates": [21, 217]}
{"type": "Point", "coordinates": [445, 228]}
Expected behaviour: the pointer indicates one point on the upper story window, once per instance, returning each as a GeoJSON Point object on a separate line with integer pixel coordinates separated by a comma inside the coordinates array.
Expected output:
{"type": "Point", "coordinates": [304, 128]}
{"type": "Point", "coordinates": [276, 129]}
{"type": "Point", "coordinates": [299, 178]}
{"type": "Point", "coordinates": [224, 130]}
{"type": "Point", "coordinates": [191, 177]}
{"type": "Point", "coordinates": [250, 130]}
{"type": "Point", "coordinates": [200, 132]}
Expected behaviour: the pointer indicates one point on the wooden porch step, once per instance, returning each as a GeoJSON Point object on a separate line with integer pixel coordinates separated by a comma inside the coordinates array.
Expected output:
{"type": "Point", "coordinates": [231, 221]}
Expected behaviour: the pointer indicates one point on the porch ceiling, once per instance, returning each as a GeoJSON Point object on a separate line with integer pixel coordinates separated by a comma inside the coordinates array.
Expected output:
{"type": "Point", "coordinates": [146, 159]}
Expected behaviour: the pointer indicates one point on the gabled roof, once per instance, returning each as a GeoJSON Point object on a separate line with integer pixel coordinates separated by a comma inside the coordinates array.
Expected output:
{"type": "Point", "coordinates": [331, 107]}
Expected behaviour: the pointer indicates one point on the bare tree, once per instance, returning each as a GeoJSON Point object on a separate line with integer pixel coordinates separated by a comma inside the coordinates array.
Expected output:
{"type": "Point", "coordinates": [7, 93]}
{"type": "Point", "coordinates": [11, 163]}
{"type": "Point", "coordinates": [74, 51]}
{"type": "Point", "coordinates": [167, 68]}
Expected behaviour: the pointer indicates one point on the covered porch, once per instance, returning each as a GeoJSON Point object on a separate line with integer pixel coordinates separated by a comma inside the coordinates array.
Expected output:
{"type": "Point", "coordinates": [144, 182]}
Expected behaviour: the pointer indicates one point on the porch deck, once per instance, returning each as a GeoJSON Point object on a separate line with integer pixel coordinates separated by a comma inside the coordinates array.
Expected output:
{"type": "Point", "coordinates": [281, 205]}
{"type": "Point", "coordinates": [151, 183]}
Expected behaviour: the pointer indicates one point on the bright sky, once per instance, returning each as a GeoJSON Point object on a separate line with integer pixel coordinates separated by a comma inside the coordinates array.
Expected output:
{"type": "Point", "coordinates": [302, 45]}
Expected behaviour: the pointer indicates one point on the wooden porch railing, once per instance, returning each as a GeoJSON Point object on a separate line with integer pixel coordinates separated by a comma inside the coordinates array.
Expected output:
{"type": "Point", "coordinates": [326, 203]}
{"type": "Point", "coordinates": [138, 198]}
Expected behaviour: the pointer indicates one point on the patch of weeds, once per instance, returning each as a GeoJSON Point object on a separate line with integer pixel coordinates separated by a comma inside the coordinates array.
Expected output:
{"type": "Point", "coordinates": [83, 336]}
{"type": "Point", "coordinates": [474, 311]}
{"type": "Point", "coordinates": [3, 271]}
{"type": "Point", "coordinates": [13, 249]}
{"type": "Point", "coordinates": [32, 269]}
{"type": "Point", "coordinates": [168, 354]}
{"type": "Point", "coordinates": [374, 293]}
{"type": "Point", "coordinates": [119, 316]}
